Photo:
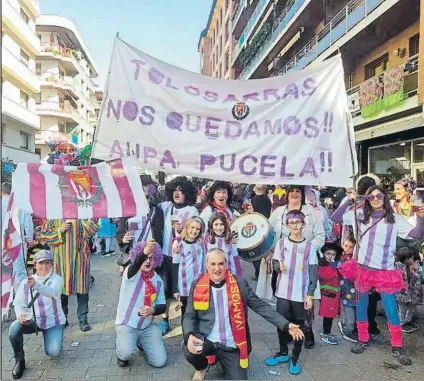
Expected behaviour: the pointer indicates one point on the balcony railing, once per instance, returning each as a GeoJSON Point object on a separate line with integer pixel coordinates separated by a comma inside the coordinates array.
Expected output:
{"type": "Point", "coordinates": [344, 21]}
{"type": "Point", "coordinates": [241, 7]}
{"type": "Point", "coordinates": [410, 82]}
{"type": "Point", "coordinates": [43, 136]}
{"type": "Point", "coordinates": [291, 8]}
{"type": "Point", "coordinates": [65, 107]}
{"type": "Point", "coordinates": [249, 27]}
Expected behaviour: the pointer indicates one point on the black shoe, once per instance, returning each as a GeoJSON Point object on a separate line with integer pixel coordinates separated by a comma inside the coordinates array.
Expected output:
{"type": "Point", "coordinates": [407, 328]}
{"type": "Point", "coordinates": [309, 339]}
{"type": "Point", "coordinates": [413, 326]}
{"type": "Point", "coordinates": [18, 369]}
{"type": "Point", "coordinates": [91, 279]}
{"type": "Point", "coordinates": [401, 356]}
{"type": "Point", "coordinates": [359, 347]}
{"type": "Point", "coordinates": [105, 254]}
{"type": "Point", "coordinates": [122, 363]}
{"type": "Point", "coordinates": [85, 327]}
{"type": "Point", "coordinates": [66, 323]}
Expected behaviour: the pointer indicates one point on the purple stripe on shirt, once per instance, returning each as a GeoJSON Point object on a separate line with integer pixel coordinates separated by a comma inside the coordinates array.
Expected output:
{"type": "Point", "coordinates": [387, 242]}
{"type": "Point", "coordinates": [185, 218]}
{"type": "Point", "coordinates": [43, 317]}
{"type": "Point", "coordinates": [171, 230]}
{"type": "Point", "coordinates": [133, 301]}
{"type": "Point", "coordinates": [280, 275]}
{"type": "Point", "coordinates": [183, 271]}
{"type": "Point", "coordinates": [221, 317]}
{"type": "Point", "coordinates": [372, 232]}
{"type": "Point", "coordinates": [195, 263]}
{"type": "Point", "coordinates": [305, 268]}
{"type": "Point", "coordinates": [292, 272]}
{"type": "Point", "coordinates": [219, 242]}
{"type": "Point", "coordinates": [55, 313]}
{"type": "Point", "coordinates": [26, 292]}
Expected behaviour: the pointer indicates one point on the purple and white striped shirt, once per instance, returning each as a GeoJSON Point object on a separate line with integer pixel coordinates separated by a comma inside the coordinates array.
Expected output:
{"type": "Point", "coordinates": [293, 284]}
{"type": "Point", "coordinates": [221, 331]}
{"type": "Point", "coordinates": [48, 307]}
{"type": "Point", "coordinates": [169, 210]}
{"type": "Point", "coordinates": [378, 245]}
{"type": "Point", "coordinates": [131, 299]}
{"type": "Point", "coordinates": [192, 260]}
{"type": "Point", "coordinates": [140, 222]}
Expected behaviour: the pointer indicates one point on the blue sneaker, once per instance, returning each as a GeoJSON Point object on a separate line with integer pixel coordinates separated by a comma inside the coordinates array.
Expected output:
{"type": "Point", "coordinates": [278, 358]}
{"type": "Point", "coordinates": [330, 338]}
{"type": "Point", "coordinates": [164, 327]}
{"type": "Point", "coordinates": [295, 367]}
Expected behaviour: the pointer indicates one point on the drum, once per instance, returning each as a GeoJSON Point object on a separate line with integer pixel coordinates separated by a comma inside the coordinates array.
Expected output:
{"type": "Point", "coordinates": [256, 237]}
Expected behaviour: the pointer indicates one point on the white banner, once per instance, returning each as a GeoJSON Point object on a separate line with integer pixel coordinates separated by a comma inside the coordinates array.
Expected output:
{"type": "Point", "coordinates": [291, 129]}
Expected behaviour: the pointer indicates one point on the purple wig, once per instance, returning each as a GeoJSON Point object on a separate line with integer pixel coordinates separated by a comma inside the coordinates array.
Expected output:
{"type": "Point", "coordinates": [139, 248]}
{"type": "Point", "coordinates": [295, 214]}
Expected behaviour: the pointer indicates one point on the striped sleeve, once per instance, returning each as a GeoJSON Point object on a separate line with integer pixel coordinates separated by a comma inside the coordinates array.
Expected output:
{"type": "Point", "coordinates": [51, 234]}
{"type": "Point", "coordinates": [90, 227]}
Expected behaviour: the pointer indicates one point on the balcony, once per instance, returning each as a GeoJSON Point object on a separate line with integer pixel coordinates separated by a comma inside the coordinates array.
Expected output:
{"type": "Point", "coordinates": [409, 99]}
{"type": "Point", "coordinates": [20, 73]}
{"type": "Point", "coordinates": [253, 21]}
{"type": "Point", "coordinates": [19, 155]}
{"type": "Point", "coordinates": [45, 136]}
{"type": "Point", "coordinates": [68, 57]}
{"type": "Point", "coordinates": [63, 110]}
{"type": "Point", "coordinates": [290, 12]}
{"type": "Point", "coordinates": [59, 81]}
{"type": "Point", "coordinates": [340, 25]}
{"type": "Point", "coordinates": [33, 6]}
{"type": "Point", "coordinates": [19, 113]}
{"type": "Point", "coordinates": [18, 27]}
{"type": "Point", "coordinates": [241, 7]}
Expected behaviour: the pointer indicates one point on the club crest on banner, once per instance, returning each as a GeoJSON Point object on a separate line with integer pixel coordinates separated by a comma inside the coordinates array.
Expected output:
{"type": "Point", "coordinates": [249, 230]}
{"type": "Point", "coordinates": [240, 110]}
{"type": "Point", "coordinates": [80, 187]}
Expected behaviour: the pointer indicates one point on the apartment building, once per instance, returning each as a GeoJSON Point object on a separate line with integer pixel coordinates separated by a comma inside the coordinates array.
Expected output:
{"type": "Point", "coordinates": [20, 84]}
{"type": "Point", "coordinates": [382, 52]}
{"type": "Point", "coordinates": [67, 101]}
{"type": "Point", "coordinates": [216, 42]}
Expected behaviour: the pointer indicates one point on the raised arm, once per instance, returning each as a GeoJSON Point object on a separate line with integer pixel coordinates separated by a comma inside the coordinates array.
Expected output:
{"type": "Point", "coordinates": [337, 216]}
{"type": "Point", "coordinates": [51, 291]}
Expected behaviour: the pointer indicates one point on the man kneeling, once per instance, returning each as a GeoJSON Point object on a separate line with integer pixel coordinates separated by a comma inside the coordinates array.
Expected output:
{"type": "Point", "coordinates": [215, 325]}
{"type": "Point", "coordinates": [141, 297]}
{"type": "Point", "coordinates": [49, 317]}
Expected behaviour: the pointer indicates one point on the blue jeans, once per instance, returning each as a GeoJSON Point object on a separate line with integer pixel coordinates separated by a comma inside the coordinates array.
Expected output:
{"type": "Point", "coordinates": [53, 339]}
{"type": "Point", "coordinates": [389, 305]}
{"type": "Point", "coordinates": [149, 338]}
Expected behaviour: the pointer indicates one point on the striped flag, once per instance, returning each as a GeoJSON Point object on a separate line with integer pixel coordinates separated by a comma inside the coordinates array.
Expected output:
{"type": "Point", "coordinates": [11, 249]}
{"type": "Point", "coordinates": [105, 190]}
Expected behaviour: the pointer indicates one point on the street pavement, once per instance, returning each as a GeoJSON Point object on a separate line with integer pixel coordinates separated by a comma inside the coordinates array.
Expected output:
{"type": "Point", "coordinates": [91, 355]}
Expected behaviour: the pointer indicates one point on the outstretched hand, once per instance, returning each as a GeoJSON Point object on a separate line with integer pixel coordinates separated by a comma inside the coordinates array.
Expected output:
{"type": "Point", "coordinates": [295, 332]}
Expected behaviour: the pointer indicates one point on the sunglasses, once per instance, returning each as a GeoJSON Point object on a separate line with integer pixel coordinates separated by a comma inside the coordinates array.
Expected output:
{"type": "Point", "coordinates": [378, 197]}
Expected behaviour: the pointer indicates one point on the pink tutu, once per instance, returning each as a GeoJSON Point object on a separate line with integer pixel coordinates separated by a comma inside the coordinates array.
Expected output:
{"type": "Point", "coordinates": [388, 281]}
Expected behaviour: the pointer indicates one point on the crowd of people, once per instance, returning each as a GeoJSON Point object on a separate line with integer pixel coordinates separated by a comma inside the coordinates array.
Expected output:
{"type": "Point", "coordinates": [341, 250]}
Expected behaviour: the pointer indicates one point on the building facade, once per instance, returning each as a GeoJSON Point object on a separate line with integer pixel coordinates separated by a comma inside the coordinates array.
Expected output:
{"type": "Point", "coordinates": [216, 41]}
{"type": "Point", "coordinates": [20, 84]}
{"type": "Point", "coordinates": [67, 100]}
{"type": "Point", "coordinates": [382, 53]}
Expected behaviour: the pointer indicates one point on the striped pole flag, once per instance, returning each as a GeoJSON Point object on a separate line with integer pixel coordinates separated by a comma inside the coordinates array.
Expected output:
{"type": "Point", "coordinates": [105, 190]}
{"type": "Point", "coordinates": [11, 249]}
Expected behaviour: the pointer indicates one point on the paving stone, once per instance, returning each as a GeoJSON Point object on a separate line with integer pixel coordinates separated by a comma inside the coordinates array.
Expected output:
{"type": "Point", "coordinates": [66, 374]}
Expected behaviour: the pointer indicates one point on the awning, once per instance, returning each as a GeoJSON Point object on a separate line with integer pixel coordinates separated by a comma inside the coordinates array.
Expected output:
{"type": "Point", "coordinates": [403, 124]}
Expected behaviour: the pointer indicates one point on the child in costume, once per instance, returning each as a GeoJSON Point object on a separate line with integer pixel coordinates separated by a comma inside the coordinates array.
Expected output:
{"type": "Point", "coordinates": [219, 236]}
{"type": "Point", "coordinates": [329, 280]}
{"type": "Point", "coordinates": [296, 262]}
{"type": "Point", "coordinates": [188, 259]}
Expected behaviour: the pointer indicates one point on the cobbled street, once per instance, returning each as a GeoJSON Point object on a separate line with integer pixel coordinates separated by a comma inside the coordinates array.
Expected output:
{"type": "Point", "coordinates": [92, 355]}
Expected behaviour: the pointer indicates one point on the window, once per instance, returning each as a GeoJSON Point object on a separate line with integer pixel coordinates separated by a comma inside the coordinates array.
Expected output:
{"type": "Point", "coordinates": [24, 58]}
{"type": "Point", "coordinates": [24, 16]}
{"type": "Point", "coordinates": [38, 68]}
{"type": "Point", "coordinates": [377, 66]}
{"type": "Point", "coordinates": [38, 151]}
{"type": "Point", "coordinates": [62, 127]}
{"type": "Point", "coordinates": [24, 99]}
{"type": "Point", "coordinates": [25, 137]}
{"type": "Point", "coordinates": [37, 98]}
{"type": "Point", "coordinates": [414, 45]}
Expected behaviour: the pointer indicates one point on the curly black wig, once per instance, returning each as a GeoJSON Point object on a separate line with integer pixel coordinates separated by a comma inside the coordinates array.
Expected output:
{"type": "Point", "coordinates": [220, 185]}
{"type": "Point", "coordinates": [187, 187]}
{"type": "Point", "coordinates": [330, 246]}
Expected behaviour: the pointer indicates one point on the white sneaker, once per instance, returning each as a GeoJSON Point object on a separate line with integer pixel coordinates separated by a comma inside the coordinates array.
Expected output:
{"type": "Point", "coordinates": [199, 374]}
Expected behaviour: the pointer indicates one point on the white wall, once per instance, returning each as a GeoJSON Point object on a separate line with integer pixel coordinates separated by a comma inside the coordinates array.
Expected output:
{"type": "Point", "coordinates": [12, 136]}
